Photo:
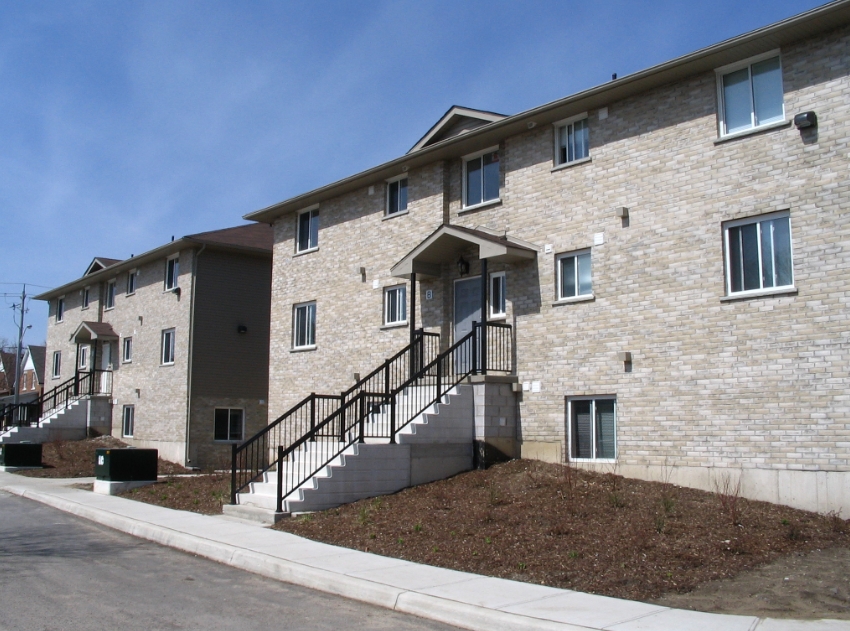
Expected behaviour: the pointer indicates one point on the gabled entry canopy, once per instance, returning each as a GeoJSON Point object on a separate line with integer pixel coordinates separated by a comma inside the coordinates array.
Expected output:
{"type": "Point", "coordinates": [446, 243]}
{"type": "Point", "coordinates": [90, 331]}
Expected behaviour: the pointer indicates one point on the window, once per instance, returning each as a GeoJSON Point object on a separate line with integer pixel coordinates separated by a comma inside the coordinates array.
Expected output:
{"type": "Point", "coordinates": [167, 353]}
{"type": "Point", "coordinates": [572, 141]}
{"type": "Point", "coordinates": [497, 295]}
{"type": "Point", "coordinates": [109, 303]}
{"type": "Point", "coordinates": [127, 355]}
{"type": "Point", "coordinates": [84, 357]}
{"type": "Point", "coordinates": [60, 309]}
{"type": "Point", "coordinates": [592, 428]}
{"type": "Point", "coordinates": [574, 275]}
{"type": "Point", "coordinates": [308, 230]}
{"type": "Point", "coordinates": [228, 424]}
{"type": "Point", "coordinates": [127, 421]}
{"type": "Point", "coordinates": [172, 273]}
{"type": "Point", "coordinates": [758, 253]}
{"type": "Point", "coordinates": [481, 178]}
{"type": "Point", "coordinates": [395, 305]}
{"type": "Point", "coordinates": [86, 297]}
{"type": "Point", "coordinates": [57, 364]}
{"type": "Point", "coordinates": [750, 94]}
{"type": "Point", "coordinates": [304, 325]}
{"type": "Point", "coordinates": [397, 196]}
{"type": "Point", "coordinates": [131, 282]}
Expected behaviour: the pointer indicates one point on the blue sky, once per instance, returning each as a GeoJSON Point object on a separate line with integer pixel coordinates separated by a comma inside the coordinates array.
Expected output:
{"type": "Point", "coordinates": [124, 123]}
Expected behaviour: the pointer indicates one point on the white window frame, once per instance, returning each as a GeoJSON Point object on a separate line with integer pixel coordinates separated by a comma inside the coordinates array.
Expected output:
{"type": "Point", "coordinates": [565, 124]}
{"type": "Point", "coordinates": [388, 209]}
{"type": "Point", "coordinates": [501, 312]}
{"type": "Point", "coordinates": [127, 350]}
{"type": "Point", "coordinates": [559, 270]}
{"type": "Point", "coordinates": [60, 309]}
{"type": "Point", "coordinates": [83, 363]}
{"type": "Point", "coordinates": [474, 156]}
{"type": "Point", "coordinates": [229, 427]}
{"type": "Point", "coordinates": [593, 444]}
{"type": "Point", "coordinates": [128, 421]}
{"type": "Point", "coordinates": [167, 347]}
{"type": "Point", "coordinates": [758, 220]}
{"type": "Point", "coordinates": [86, 297]}
{"type": "Point", "coordinates": [312, 244]}
{"type": "Point", "coordinates": [109, 298]}
{"type": "Point", "coordinates": [172, 274]}
{"type": "Point", "coordinates": [57, 364]}
{"type": "Point", "coordinates": [306, 308]}
{"type": "Point", "coordinates": [721, 100]}
{"type": "Point", "coordinates": [131, 282]}
{"type": "Point", "coordinates": [395, 295]}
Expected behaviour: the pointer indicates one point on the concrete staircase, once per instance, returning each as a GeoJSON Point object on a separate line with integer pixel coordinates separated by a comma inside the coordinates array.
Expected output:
{"type": "Point", "coordinates": [436, 444]}
{"type": "Point", "coordinates": [66, 423]}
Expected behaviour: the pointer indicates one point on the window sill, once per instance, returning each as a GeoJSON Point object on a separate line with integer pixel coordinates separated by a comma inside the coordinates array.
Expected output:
{"type": "Point", "coordinates": [128, 295]}
{"type": "Point", "coordinates": [168, 365]}
{"type": "Point", "coordinates": [172, 290]}
{"type": "Point", "coordinates": [753, 131]}
{"type": "Point", "coordinates": [569, 301]}
{"type": "Point", "coordinates": [595, 460]}
{"type": "Point", "coordinates": [307, 251]}
{"type": "Point", "coordinates": [108, 308]}
{"type": "Point", "coordinates": [302, 349]}
{"type": "Point", "coordinates": [497, 317]}
{"type": "Point", "coordinates": [760, 293]}
{"type": "Point", "coordinates": [487, 204]}
{"type": "Point", "coordinates": [127, 361]}
{"type": "Point", "coordinates": [574, 163]}
{"type": "Point", "coordinates": [394, 325]}
{"type": "Point", "coordinates": [227, 442]}
{"type": "Point", "coordinates": [394, 215]}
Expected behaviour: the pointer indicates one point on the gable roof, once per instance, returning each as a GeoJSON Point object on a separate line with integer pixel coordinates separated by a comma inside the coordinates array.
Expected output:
{"type": "Point", "coordinates": [818, 20]}
{"type": "Point", "coordinates": [7, 375]}
{"type": "Point", "coordinates": [37, 355]}
{"type": "Point", "coordinates": [458, 120]}
{"type": "Point", "coordinates": [99, 263]}
{"type": "Point", "coordinates": [88, 331]}
{"type": "Point", "coordinates": [251, 238]}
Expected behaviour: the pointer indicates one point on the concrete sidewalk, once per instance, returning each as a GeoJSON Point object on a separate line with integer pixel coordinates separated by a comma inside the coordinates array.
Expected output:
{"type": "Point", "coordinates": [465, 600]}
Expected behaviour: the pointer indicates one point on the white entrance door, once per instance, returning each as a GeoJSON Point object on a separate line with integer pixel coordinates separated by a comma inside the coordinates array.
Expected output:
{"type": "Point", "coordinates": [467, 311]}
{"type": "Point", "coordinates": [106, 366]}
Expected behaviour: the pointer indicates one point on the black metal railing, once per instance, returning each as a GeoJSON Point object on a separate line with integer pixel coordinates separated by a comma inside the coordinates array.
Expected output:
{"type": "Point", "coordinates": [320, 428]}
{"type": "Point", "coordinates": [83, 383]}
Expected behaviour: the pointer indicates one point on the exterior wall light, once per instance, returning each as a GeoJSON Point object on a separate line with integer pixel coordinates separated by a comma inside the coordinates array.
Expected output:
{"type": "Point", "coordinates": [806, 119]}
{"type": "Point", "coordinates": [462, 266]}
{"type": "Point", "coordinates": [241, 329]}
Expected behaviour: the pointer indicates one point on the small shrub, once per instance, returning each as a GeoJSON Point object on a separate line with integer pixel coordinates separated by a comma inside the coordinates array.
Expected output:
{"type": "Point", "coordinates": [615, 499]}
{"type": "Point", "coordinates": [837, 524]}
{"type": "Point", "coordinates": [729, 495]}
{"type": "Point", "coordinates": [668, 502]}
{"type": "Point", "coordinates": [660, 523]}
{"type": "Point", "coordinates": [363, 515]}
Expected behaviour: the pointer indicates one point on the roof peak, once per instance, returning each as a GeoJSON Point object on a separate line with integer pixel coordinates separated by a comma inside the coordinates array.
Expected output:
{"type": "Point", "coordinates": [456, 121]}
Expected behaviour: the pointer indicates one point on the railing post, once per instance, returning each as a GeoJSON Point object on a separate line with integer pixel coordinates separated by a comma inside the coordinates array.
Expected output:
{"type": "Point", "coordinates": [362, 415]}
{"type": "Point", "coordinates": [280, 478]}
{"type": "Point", "coordinates": [392, 420]}
{"type": "Point", "coordinates": [312, 417]}
{"type": "Point", "coordinates": [439, 377]}
{"type": "Point", "coordinates": [76, 385]}
{"type": "Point", "coordinates": [342, 411]}
{"type": "Point", "coordinates": [233, 473]}
{"type": "Point", "coordinates": [387, 377]}
{"type": "Point", "coordinates": [474, 347]}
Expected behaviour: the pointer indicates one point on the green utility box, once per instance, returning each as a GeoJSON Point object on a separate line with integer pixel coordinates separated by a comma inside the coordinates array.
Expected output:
{"type": "Point", "coordinates": [20, 455]}
{"type": "Point", "coordinates": [125, 465]}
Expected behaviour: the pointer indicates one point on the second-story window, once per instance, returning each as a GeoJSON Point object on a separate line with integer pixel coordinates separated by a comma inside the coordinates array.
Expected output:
{"type": "Point", "coordinates": [109, 301]}
{"type": "Point", "coordinates": [497, 295]}
{"type": "Point", "coordinates": [86, 297]}
{"type": "Point", "coordinates": [131, 282]}
{"type": "Point", "coordinates": [84, 358]}
{"type": "Point", "coordinates": [397, 196]}
{"type": "Point", "coordinates": [481, 178]}
{"type": "Point", "coordinates": [308, 231]}
{"type": "Point", "coordinates": [60, 308]}
{"type": "Point", "coordinates": [57, 364]}
{"type": "Point", "coordinates": [167, 351]}
{"type": "Point", "coordinates": [304, 325]}
{"type": "Point", "coordinates": [750, 94]}
{"type": "Point", "coordinates": [574, 278]}
{"type": "Point", "coordinates": [127, 357]}
{"type": "Point", "coordinates": [572, 141]}
{"type": "Point", "coordinates": [172, 273]}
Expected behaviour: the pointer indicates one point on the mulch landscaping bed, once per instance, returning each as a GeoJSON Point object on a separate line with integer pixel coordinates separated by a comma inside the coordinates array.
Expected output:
{"type": "Point", "coordinates": [203, 493]}
{"type": "Point", "coordinates": [560, 526]}
{"type": "Point", "coordinates": [75, 459]}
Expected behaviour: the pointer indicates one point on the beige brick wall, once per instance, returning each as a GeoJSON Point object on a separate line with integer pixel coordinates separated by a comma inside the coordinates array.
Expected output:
{"type": "Point", "coordinates": [760, 382]}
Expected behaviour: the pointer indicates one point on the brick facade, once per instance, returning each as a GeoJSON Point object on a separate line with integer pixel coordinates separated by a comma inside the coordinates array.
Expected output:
{"type": "Point", "coordinates": [715, 381]}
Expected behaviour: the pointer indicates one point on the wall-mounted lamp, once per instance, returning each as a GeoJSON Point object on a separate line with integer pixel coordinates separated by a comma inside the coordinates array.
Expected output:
{"type": "Point", "coordinates": [177, 291]}
{"type": "Point", "coordinates": [806, 119]}
{"type": "Point", "coordinates": [624, 356]}
{"type": "Point", "coordinates": [622, 212]}
{"type": "Point", "coordinates": [241, 329]}
{"type": "Point", "coordinates": [462, 266]}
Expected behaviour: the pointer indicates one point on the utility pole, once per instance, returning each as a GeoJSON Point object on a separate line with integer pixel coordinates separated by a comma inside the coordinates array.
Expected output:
{"type": "Point", "coordinates": [20, 343]}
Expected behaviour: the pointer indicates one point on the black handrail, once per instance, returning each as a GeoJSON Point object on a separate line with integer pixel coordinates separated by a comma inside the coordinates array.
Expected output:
{"type": "Point", "coordinates": [83, 383]}
{"type": "Point", "coordinates": [378, 406]}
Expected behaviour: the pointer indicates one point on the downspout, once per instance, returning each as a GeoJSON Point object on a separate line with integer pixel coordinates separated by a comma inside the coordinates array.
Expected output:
{"type": "Point", "coordinates": [190, 350]}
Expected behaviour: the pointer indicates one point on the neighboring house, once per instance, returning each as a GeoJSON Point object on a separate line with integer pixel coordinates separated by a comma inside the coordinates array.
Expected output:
{"type": "Point", "coordinates": [7, 373]}
{"type": "Point", "coordinates": [171, 345]}
{"type": "Point", "coordinates": [669, 250]}
{"type": "Point", "coordinates": [31, 378]}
